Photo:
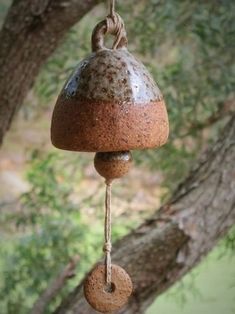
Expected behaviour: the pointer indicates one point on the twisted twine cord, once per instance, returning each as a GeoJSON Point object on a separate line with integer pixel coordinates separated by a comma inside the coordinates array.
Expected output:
{"type": "Point", "coordinates": [107, 235]}
{"type": "Point", "coordinates": [112, 7]}
{"type": "Point", "coordinates": [115, 25]}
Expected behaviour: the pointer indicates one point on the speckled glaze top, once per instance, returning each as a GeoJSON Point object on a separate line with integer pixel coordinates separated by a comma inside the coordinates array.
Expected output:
{"type": "Point", "coordinates": [111, 75]}
{"type": "Point", "coordinates": [109, 103]}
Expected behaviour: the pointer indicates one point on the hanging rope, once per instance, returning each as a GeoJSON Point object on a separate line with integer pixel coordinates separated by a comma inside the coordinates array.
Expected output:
{"type": "Point", "coordinates": [112, 7]}
{"type": "Point", "coordinates": [115, 26]}
{"type": "Point", "coordinates": [107, 235]}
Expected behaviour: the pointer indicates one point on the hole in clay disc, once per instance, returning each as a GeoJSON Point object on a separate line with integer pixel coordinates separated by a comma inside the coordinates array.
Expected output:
{"type": "Point", "coordinates": [110, 288]}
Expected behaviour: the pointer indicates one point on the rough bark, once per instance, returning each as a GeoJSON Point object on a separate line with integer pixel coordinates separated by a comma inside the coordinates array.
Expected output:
{"type": "Point", "coordinates": [180, 234]}
{"type": "Point", "coordinates": [31, 32]}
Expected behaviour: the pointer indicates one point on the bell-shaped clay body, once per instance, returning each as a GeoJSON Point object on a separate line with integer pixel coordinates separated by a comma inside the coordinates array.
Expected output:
{"type": "Point", "coordinates": [110, 103]}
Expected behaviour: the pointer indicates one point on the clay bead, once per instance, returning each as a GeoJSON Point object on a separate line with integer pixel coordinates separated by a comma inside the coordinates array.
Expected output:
{"type": "Point", "coordinates": [105, 300]}
{"type": "Point", "coordinates": [113, 165]}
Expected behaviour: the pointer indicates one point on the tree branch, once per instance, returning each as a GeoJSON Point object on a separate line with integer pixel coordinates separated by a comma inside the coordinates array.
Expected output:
{"type": "Point", "coordinates": [223, 110]}
{"type": "Point", "coordinates": [54, 288]}
{"type": "Point", "coordinates": [180, 234]}
{"type": "Point", "coordinates": [31, 32]}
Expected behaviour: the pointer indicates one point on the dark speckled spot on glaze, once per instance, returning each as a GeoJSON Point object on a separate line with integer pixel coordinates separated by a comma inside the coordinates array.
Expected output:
{"type": "Point", "coordinates": [91, 79]}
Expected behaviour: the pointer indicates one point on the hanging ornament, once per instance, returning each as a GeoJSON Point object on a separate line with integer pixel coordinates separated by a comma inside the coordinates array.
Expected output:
{"type": "Point", "coordinates": [109, 105]}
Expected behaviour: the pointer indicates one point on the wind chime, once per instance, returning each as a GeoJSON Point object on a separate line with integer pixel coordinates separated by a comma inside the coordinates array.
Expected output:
{"type": "Point", "coordinates": [109, 105]}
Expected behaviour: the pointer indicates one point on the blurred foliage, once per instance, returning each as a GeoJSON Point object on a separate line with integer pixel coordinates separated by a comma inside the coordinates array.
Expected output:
{"type": "Point", "coordinates": [51, 230]}
{"type": "Point", "coordinates": [46, 223]}
{"type": "Point", "coordinates": [188, 47]}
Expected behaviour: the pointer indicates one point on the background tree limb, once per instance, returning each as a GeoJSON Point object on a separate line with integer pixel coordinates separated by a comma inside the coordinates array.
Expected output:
{"type": "Point", "coordinates": [31, 32]}
{"type": "Point", "coordinates": [223, 109]}
{"type": "Point", "coordinates": [55, 286]}
{"type": "Point", "coordinates": [180, 234]}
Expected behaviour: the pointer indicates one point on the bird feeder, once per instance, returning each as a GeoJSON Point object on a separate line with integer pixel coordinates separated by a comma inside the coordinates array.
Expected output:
{"type": "Point", "coordinates": [110, 105]}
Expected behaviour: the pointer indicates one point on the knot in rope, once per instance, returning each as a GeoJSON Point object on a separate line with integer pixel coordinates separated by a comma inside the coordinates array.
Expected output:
{"type": "Point", "coordinates": [114, 23]}
{"type": "Point", "coordinates": [107, 247]}
{"type": "Point", "coordinates": [116, 27]}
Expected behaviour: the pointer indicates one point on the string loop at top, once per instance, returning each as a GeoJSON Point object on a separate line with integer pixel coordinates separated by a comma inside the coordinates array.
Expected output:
{"type": "Point", "coordinates": [114, 25]}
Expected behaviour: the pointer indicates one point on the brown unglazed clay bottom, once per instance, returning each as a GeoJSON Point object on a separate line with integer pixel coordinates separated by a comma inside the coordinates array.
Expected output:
{"type": "Point", "coordinates": [102, 300]}
{"type": "Point", "coordinates": [106, 126]}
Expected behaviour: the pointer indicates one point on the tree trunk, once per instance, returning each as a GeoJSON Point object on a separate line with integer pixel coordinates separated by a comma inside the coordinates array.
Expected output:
{"type": "Point", "coordinates": [180, 234]}
{"type": "Point", "coordinates": [31, 32]}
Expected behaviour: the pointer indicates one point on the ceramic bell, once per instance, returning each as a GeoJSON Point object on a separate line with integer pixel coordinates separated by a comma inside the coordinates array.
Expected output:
{"type": "Point", "coordinates": [110, 102]}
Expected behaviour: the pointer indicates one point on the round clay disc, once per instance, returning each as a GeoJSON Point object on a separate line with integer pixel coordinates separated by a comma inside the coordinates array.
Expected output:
{"type": "Point", "coordinates": [96, 291]}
